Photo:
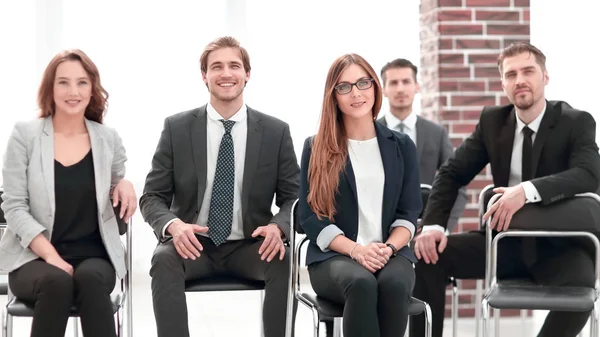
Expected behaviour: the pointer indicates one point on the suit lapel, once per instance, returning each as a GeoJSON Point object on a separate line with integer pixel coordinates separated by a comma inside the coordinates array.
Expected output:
{"type": "Point", "coordinates": [547, 123]}
{"type": "Point", "coordinates": [100, 165]}
{"type": "Point", "coordinates": [198, 137]}
{"type": "Point", "coordinates": [47, 146]}
{"type": "Point", "coordinates": [421, 137]}
{"type": "Point", "coordinates": [253, 145]}
{"type": "Point", "coordinates": [505, 147]}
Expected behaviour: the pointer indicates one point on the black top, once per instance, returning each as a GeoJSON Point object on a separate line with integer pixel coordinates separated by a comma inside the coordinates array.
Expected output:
{"type": "Point", "coordinates": [76, 231]}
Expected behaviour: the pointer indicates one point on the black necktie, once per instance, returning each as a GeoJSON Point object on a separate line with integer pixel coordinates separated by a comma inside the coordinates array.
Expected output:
{"type": "Point", "coordinates": [529, 244]}
{"type": "Point", "coordinates": [220, 214]}
{"type": "Point", "coordinates": [526, 173]}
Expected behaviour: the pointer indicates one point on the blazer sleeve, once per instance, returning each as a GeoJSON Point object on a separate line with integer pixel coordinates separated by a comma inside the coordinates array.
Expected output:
{"type": "Point", "coordinates": [584, 165]}
{"type": "Point", "coordinates": [311, 224]}
{"type": "Point", "coordinates": [287, 182]}
{"type": "Point", "coordinates": [117, 173]}
{"type": "Point", "coordinates": [118, 163]}
{"type": "Point", "coordinates": [156, 200]}
{"type": "Point", "coordinates": [16, 195]}
{"type": "Point", "coordinates": [410, 204]}
{"type": "Point", "coordinates": [468, 160]}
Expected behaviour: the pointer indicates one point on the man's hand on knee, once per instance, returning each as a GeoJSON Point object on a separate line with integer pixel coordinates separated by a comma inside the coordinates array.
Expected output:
{"type": "Point", "coordinates": [184, 238]}
{"type": "Point", "coordinates": [427, 247]}
{"type": "Point", "coordinates": [272, 244]}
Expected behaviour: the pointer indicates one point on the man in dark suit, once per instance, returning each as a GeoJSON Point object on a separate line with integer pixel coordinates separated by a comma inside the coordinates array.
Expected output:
{"type": "Point", "coordinates": [539, 151]}
{"type": "Point", "coordinates": [209, 195]}
{"type": "Point", "coordinates": [433, 144]}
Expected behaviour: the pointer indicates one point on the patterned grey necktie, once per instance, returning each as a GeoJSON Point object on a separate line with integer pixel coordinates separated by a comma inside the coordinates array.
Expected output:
{"type": "Point", "coordinates": [220, 214]}
{"type": "Point", "coordinates": [401, 127]}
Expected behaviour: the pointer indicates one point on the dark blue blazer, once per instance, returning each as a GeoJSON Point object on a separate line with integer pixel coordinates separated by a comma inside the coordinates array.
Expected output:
{"type": "Point", "coordinates": [401, 194]}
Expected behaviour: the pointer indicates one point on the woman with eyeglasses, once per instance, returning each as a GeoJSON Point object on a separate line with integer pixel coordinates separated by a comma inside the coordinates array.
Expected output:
{"type": "Point", "coordinates": [359, 203]}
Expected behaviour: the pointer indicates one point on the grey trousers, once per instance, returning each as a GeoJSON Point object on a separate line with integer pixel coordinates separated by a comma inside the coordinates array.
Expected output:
{"type": "Point", "coordinates": [169, 272]}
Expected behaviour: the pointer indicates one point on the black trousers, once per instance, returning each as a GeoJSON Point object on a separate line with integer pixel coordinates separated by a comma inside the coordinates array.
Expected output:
{"type": "Point", "coordinates": [53, 292]}
{"type": "Point", "coordinates": [375, 305]}
{"type": "Point", "coordinates": [169, 272]}
{"type": "Point", "coordinates": [464, 258]}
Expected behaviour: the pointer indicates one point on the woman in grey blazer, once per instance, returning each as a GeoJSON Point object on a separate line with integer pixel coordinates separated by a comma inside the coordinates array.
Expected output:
{"type": "Point", "coordinates": [62, 245]}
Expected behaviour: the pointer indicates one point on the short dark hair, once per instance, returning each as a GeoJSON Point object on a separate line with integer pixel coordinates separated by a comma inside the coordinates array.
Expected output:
{"type": "Point", "coordinates": [399, 63]}
{"type": "Point", "coordinates": [519, 48]}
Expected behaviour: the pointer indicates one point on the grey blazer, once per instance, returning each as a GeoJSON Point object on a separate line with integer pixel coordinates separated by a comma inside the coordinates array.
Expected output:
{"type": "Point", "coordinates": [28, 198]}
{"type": "Point", "coordinates": [433, 149]}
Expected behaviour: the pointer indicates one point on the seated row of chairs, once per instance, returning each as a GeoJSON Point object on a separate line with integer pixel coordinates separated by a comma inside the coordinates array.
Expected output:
{"type": "Point", "coordinates": [500, 294]}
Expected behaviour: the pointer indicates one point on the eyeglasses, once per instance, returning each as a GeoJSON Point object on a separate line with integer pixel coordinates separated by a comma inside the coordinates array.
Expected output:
{"type": "Point", "coordinates": [345, 88]}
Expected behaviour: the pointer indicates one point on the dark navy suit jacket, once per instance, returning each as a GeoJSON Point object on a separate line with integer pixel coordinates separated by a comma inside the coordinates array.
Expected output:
{"type": "Point", "coordinates": [401, 194]}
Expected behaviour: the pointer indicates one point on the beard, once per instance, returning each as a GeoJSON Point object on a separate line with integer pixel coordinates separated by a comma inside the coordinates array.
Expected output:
{"type": "Point", "coordinates": [524, 102]}
{"type": "Point", "coordinates": [229, 96]}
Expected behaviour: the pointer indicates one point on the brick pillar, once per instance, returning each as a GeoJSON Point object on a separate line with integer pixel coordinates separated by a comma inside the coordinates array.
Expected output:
{"type": "Point", "coordinates": [460, 41]}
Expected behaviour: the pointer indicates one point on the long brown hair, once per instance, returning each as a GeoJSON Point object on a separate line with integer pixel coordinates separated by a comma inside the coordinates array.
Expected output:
{"type": "Point", "coordinates": [330, 145]}
{"type": "Point", "coordinates": [98, 102]}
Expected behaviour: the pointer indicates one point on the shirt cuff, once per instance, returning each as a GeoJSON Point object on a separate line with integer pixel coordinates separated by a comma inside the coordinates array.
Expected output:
{"type": "Point", "coordinates": [164, 229]}
{"type": "Point", "coordinates": [433, 228]}
{"type": "Point", "coordinates": [406, 224]}
{"type": "Point", "coordinates": [327, 235]}
{"type": "Point", "coordinates": [531, 193]}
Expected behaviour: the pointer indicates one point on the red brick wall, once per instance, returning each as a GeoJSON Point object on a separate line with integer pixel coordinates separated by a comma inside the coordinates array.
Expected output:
{"type": "Point", "coordinates": [460, 41]}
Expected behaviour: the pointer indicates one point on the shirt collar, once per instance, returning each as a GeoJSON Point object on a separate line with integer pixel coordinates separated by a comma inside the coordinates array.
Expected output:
{"type": "Point", "coordinates": [393, 122]}
{"type": "Point", "coordinates": [534, 125]}
{"type": "Point", "coordinates": [237, 117]}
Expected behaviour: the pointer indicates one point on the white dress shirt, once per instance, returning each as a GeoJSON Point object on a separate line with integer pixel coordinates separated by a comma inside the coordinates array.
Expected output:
{"type": "Point", "coordinates": [410, 124]}
{"type": "Point", "coordinates": [367, 165]}
{"type": "Point", "coordinates": [516, 161]}
{"type": "Point", "coordinates": [214, 132]}
{"type": "Point", "coordinates": [369, 175]}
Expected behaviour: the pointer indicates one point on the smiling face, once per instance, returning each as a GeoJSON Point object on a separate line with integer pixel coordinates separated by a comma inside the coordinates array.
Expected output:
{"type": "Point", "coordinates": [225, 75]}
{"type": "Point", "coordinates": [358, 102]}
{"type": "Point", "coordinates": [72, 88]}
{"type": "Point", "coordinates": [524, 80]}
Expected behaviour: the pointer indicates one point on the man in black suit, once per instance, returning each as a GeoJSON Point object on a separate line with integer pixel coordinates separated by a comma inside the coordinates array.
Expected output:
{"type": "Point", "coordinates": [399, 78]}
{"type": "Point", "coordinates": [539, 151]}
{"type": "Point", "coordinates": [209, 195]}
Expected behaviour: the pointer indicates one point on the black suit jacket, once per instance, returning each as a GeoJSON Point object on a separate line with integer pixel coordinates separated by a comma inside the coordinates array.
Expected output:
{"type": "Point", "coordinates": [565, 157]}
{"type": "Point", "coordinates": [176, 183]}
{"type": "Point", "coordinates": [401, 194]}
{"type": "Point", "coordinates": [433, 150]}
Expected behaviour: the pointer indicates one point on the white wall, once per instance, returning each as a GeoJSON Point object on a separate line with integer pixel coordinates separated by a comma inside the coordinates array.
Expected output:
{"type": "Point", "coordinates": [567, 36]}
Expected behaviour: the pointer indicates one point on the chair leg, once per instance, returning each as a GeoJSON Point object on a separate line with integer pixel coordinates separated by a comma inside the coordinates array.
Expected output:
{"type": "Point", "coordinates": [428, 321]}
{"type": "Point", "coordinates": [496, 322]}
{"type": "Point", "coordinates": [407, 331]}
{"type": "Point", "coordinates": [316, 321]}
{"type": "Point", "coordinates": [261, 320]}
{"type": "Point", "coordinates": [75, 326]}
{"type": "Point", "coordinates": [120, 322]}
{"type": "Point", "coordinates": [595, 320]}
{"type": "Point", "coordinates": [337, 327]}
{"type": "Point", "coordinates": [478, 306]}
{"type": "Point", "coordinates": [454, 309]}
{"type": "Point", "coordinates": [485, 313]}
{"type": "Point", "coordinates": [4, 322]}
